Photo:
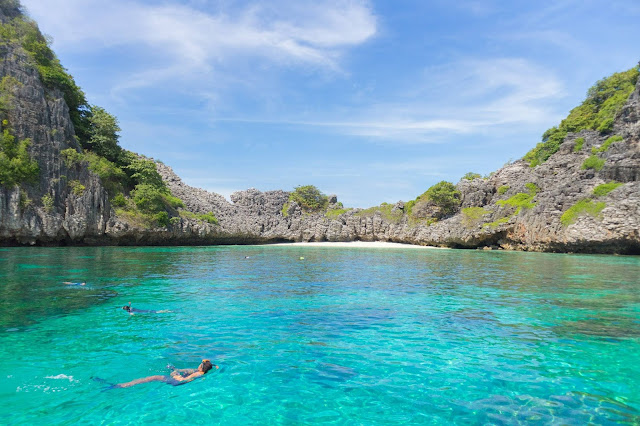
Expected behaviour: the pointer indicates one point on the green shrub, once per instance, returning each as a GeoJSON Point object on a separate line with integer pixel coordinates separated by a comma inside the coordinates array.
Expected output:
{"type": "Point", "coordinates": [471, 215]}
{"type": "Point", "coordinates": [103, 129]}
{"type": "Point", "coordinates": [606, 126]}
{"type": "Point", "coordinates": [208, 217]}
{"type": "Point", "coordinates": [385, 210]}
{"type": "Point", "coordinates": [334, 213]}
{"type": "Point", "coordinates": [119, 200]}
{"type": "Point", "coordinates": [444, 195]}
{"type": "Point", "coordinates": [77, 188]}
{"type": "Point", "coordinates": [593, 162]}
{"type": "Point", "coordinates": [285, 209]}
{"type": "Point", "coordinates": [8, 84]}
{"type": "Point", "coordinates": [47, 203]}
{"type": "Point", "coordinates": [309, 198]}
{"type": "Point", "coordinates": [111, 176]}
{"type": "Point", "coordinates": [605, 146]}
{"type": "Point", "coordinates": [503, 189]}
{"type": "Point", "coordinates": [471, 176]}
{"type": "Point", "coordinates": [578, 146]}
{"type": "Point", "coordinates": [24, 200]}
{"type": "Point", "coordinates": [605, 188]}
{"type": "Point", "coordinates": [586, 206]}
{"type": "Point", "coordinates": [175, 221]}
{"type": "Point", "coordinates": [604, 101]}
{"type": "Point", "coordinates": [71, 157]}
{"type": "Point", "coordinates": [16, 165]}
{"type": "Point", "coordinates": [498, 222]}
{"type": "Point", "coordinates": [522, 200]}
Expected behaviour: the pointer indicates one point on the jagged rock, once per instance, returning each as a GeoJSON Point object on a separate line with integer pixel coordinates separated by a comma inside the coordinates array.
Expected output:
{"type": "Point", "coordinates": [252, 216]}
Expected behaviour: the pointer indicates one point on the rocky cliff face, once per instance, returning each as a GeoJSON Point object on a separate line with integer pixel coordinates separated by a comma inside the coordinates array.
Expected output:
{"type": "Point", "coordinates": [69, 205]}
{"type": "Point", "coordinates": [488, 216]}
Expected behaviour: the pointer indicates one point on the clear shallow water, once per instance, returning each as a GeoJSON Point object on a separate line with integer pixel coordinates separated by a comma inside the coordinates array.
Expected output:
{"type": "Point", "coordinates": [369, 336]}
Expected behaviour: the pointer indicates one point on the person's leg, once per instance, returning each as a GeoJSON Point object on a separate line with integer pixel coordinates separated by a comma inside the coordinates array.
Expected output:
{"type": "Point", "coordinates": [142, 380]}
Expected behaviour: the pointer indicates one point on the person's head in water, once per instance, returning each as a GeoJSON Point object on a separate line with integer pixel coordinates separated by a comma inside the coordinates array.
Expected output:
{"type": "Point", "coordinates": [205, 366]}
{"type": "Point", "coordinates": [127, 308]}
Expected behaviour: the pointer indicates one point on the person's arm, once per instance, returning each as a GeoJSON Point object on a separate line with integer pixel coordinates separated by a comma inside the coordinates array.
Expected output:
{"type": "Point", "coordinates": [181, 370]}
{"type": "Point", "coordinates": [189, 378]}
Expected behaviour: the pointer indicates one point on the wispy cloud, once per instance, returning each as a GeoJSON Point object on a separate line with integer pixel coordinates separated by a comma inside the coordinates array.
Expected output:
{"type": "Point", "coordinates": [462, 97]}
{"type": "Point", "coordinates": [196, 40]}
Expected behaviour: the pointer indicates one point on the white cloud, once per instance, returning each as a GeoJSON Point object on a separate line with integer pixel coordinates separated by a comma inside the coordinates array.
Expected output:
{"type": "Point", "coordinates": [463, 97]}
{"type": "Point", "coordinates": [190, 40]}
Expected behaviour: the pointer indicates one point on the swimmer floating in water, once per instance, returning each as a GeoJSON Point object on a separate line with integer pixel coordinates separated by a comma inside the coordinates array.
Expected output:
{"type": "Point", "coordinates": [176, 378]}
{"type": "Point", "coordinates": [132, 311]}
{"type": "Point", "coordinates": [70, 283]}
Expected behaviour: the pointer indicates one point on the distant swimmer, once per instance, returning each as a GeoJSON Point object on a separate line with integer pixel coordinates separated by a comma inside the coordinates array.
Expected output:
{"type": "Point", "coordinates": [176, 378]}
{"type": "Point", "coordinates": [133, 311]}
{"type": "Point", "coordinates": [70, 283]}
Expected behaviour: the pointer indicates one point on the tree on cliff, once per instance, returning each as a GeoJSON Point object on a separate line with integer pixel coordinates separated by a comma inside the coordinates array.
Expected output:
{"type": "Point", "coordinates": [309, 198]}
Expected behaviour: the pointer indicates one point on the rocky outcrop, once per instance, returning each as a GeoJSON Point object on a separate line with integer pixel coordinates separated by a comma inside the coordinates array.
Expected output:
{"type": "Point", "coordinates": [69, 205]}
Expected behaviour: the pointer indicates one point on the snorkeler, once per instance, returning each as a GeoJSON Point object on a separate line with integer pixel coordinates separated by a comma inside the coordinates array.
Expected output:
{"type": "Point", "coordinates": [176, 378]}
{"type": "Point", "coordinates": [132, 311]}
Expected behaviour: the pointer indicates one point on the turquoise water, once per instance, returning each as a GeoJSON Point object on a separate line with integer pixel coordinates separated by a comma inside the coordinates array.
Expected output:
{"type": "Point", "coordinates": [347, 335]}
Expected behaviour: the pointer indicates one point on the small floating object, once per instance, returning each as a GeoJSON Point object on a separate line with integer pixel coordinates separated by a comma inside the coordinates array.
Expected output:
{"type": "Point", "coordinates": [301, 258]}
{"type": "Point", "coordinates": [70, 283]}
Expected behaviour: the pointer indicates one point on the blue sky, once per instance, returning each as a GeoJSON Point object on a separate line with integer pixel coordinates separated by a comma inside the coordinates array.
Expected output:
{"type": "Point", "coordinates": [374, 101]}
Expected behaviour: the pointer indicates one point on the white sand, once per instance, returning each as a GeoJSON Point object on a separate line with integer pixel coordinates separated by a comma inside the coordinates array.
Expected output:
{"type": "Point", "coordinates": [359, 244]}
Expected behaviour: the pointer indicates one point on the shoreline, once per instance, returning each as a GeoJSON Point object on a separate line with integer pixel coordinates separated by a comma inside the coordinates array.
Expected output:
{"type": "Point", "coordinates": [360, 244]}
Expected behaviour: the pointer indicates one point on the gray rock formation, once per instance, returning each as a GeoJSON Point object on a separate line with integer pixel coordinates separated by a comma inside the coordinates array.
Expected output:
{"type": "Point", "coordinates": [484, 219]}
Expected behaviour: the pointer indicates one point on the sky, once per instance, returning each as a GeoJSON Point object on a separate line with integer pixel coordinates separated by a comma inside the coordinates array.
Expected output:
{"type": "Point", "coordinates": [371, 100]}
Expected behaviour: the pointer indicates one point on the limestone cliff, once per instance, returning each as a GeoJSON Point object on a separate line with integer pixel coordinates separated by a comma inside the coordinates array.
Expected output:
{"type": "Point", "coordinates": [550, 207]}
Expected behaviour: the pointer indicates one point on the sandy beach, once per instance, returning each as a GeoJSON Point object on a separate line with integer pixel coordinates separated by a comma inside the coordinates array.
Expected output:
{"type": "Point", "coordinates": [360, 244]}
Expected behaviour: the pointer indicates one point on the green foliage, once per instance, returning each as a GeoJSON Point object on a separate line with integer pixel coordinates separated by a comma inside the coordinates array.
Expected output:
{"type": "Point", "coordinates": [498, 222]}
{"type": "Point", "coordinates": [522, 200]}
{"type": "Point", "coordinates": [605, 146]}
{"type": "Point", "coordinates": [71, 157]}
{"type": "Point", "coordinates": [334, 213]}
{"type": "Point", "coordinates": [149, 199]}
{"type": "Point", "coordinates": [385, 210]}
{"type": "Point", "coordinates": [47, 203]}
{"type": "Point", "coordinates": [205, 217]}
{"type": "Point", "coordinates": [208, 217]}
{"type": "Point", "coordinates": [16, 166]}
{"type": "Point", "coordinates": [144, 171]}
{"type": "Point", "coordinates": [597, 112]}
{"type": "Point", "coordinates": [593, 162]}
{"type": "Point", "coordinates": [103, 130]}
{"type": "Point", "coordinates": [471, 176]}
{"type": "Point", "coordinates": [8, 84]}
{"type": "Point", "coordinates": [606, 126]}
{"type": "Point", "coordinates": [162, 218]}
{"type": "Point", "coordinates": [578, 146]}
{"type": "Point", "coordinates": [77, 188]}
{"type": "Point", "coordinates": [285, 209]}
{"type": "Point", "coordinates": [119, 200]}
{"type": "Point", "coordinates": [503, 189]}
{"type": "Point", "coordinates": [24, 200]}
{"type": "Point", "coordinates": [605, 188]}
{"type": "Point", "coordinates": [175, 221]}
{"type": "Point", "coordinates": [309, 198]}
{"type": "Point", "coordinates": [532, 188]}
{"type": "Point", "coordinates": [444, 195]}
{"type": "Point", "coordinates": [111, 175]}
{"type": "Point", "coordinates": [471, 215]}
{"type": "Point", "coordinates": [586, 206]}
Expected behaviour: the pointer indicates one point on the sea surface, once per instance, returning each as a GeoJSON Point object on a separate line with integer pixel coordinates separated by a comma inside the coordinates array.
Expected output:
{"type": "Point", "coordinates": [319, 335]}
